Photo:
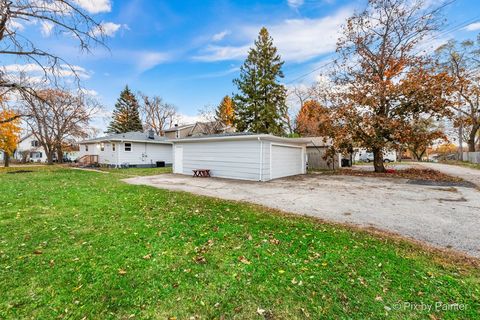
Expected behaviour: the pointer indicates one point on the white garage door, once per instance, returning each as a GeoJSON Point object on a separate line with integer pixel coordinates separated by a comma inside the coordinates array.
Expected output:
{"type": "Point", "coordinates": [286, 161]}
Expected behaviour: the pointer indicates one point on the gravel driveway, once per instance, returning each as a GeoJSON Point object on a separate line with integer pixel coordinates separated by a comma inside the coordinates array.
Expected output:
{"type": "Point", "coordinates": [441, 216]}
{"type": "Point", "coordinates": [468, 174]}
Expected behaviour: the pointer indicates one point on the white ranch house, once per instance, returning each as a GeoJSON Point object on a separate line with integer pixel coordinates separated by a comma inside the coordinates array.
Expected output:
{"type": "Point", "coordinates": [257, 157]}
{"type": "Point", "coordinates": [132, 149]}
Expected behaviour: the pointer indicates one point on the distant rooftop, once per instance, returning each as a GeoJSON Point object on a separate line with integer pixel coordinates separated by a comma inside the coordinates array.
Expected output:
{"type": "Point", "coordinates": [218, 135]}
{"type": "Point", "coordinates": [175, 128]}
{"type": "Point", "coordinates": [128, 136]}
{"type": "Point", "coordinates": [241, 136]}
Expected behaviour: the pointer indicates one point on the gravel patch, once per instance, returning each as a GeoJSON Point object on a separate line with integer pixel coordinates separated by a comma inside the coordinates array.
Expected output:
{"type": "Point", "coordinates": [441, 215]}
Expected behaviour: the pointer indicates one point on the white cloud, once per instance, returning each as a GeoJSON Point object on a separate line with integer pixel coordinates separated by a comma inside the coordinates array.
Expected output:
{"type": "Point", "coordinates": [59, 7]}
{"type": "Point", "coordinates": [297, 40]}
{"type": "Point", "coordinates": [217, 74]}
{"type": "Point", "coordinates": [47, 28]}
{"type": "Point", "coordinates": [95, 6]}
{"type": "Point", "coordinates": [89, 92]}
{"type": "Point", "coordinates": [219, 36]}
{"type": "Point", "coordinates": [109, 29]}
{"type": "Point", "coordinates": [219, 53]}
{"type": "Point", "coordinates": [147, 60]}
{"type": "Point", "coordinates": [473, 27]}
{"type": "Point", "coordinates": [187, 119]}
{"type": "Point", "coordinates": [30, 67]}
{"type": "Point", "coordinates": [15, 25]}
{"type": "Point", "coordinates": [295, 3]}
{"type": "Point", "coordinates": [34, 71]}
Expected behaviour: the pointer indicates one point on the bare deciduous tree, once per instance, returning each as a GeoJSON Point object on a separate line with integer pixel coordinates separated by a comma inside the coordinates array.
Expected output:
{"type": "Point", "coordinates": [62, 17]}
{"type": "Point", "coordinates": [461, 60]}
{"type": "Point", "coordinates": [57, 117]}
{"type": "Point", "coordinates": [157, 114]}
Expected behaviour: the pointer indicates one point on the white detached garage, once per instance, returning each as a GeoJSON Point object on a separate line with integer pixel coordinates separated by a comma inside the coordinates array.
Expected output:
{"type": "Point", "coordinates": [258, 157]}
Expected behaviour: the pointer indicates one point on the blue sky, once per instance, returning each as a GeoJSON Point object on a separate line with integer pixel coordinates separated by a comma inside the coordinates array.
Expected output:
{"type": "Point", "coordinates": [189, 51]}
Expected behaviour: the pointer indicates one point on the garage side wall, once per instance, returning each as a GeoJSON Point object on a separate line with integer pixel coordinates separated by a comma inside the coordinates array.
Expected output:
{"type": "Point", "coordinates": [225, 159]}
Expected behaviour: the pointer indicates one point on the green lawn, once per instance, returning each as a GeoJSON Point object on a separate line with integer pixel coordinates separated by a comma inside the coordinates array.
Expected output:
{"type": "Point", "coordinates": [84, 245]}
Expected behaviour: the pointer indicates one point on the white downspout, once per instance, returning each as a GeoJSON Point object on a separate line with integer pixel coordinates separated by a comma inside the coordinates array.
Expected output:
{"type": "Point", "coordinates": [261, 158]}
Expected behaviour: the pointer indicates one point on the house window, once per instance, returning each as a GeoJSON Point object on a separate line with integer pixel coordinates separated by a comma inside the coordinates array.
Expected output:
{"type": "Point", "coordinates": [113, 146]}
{"type": "Point", "coordinates": [35, 155]}
{"type": "Point", "coordinates": [35, 143]}
{"type": "Point", "coordinates": [128, 147]}
{"type": "Point", "coordinates": [102, 146]}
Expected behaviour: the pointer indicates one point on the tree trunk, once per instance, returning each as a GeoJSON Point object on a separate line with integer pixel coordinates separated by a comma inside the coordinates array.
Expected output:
{"type": "Point", "coordinates": [59, 155]}
{"type": "Point", "coordinates": [50, 157]}
{"type": "Point", "coordinates": [472, 138]}
{"type": "Point", "coordinates": [378, 160]}
{"type": "Point", "coordinates": [6, 159]}
{"type": "Point", "coordinates": [418, 156]}
{"type": "Point", "coordinates": [399, 154]}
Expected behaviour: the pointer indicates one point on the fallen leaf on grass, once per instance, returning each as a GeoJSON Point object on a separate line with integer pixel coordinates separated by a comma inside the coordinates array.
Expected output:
{"type": "Point", "coordinates": [77, 288]}
{"type": "Point", "coordinates": [147, 256]}
{"type": "Point", "coordinates": [200, 259]}
{"type": "Point", "coordinates": [242, 259]}
{"type": "Point", "coordinates": [122, 272]}
{"type": "Point", "coordinates": [274, 241]}
{"type": "Point", "coordinates": [37, 252]}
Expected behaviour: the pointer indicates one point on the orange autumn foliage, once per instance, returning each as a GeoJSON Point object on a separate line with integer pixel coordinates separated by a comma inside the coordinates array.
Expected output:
{"type": "Point", "coordinates": [9, 132]}
{"type": "Point", "coordinates": [226, 111]}
{"type": "Point", "coordinates": [310, 119]}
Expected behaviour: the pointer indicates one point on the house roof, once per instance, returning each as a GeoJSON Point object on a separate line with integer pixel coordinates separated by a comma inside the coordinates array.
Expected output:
{"type": "Point", "coordinates": [241, 136]}
{"type": "Point", "coordinates": [186, 126]}
{"type": "Point", "coordinates": [128, 136]}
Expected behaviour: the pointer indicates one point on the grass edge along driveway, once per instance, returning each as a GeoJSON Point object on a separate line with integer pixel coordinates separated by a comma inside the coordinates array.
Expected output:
{"type": "Point", "coordinates": [77, 244]}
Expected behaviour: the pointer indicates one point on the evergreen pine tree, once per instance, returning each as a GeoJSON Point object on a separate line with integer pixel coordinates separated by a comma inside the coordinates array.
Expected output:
{"type": "Point", "coordinates": [126, 116]}
{"type": "Point", "coordinates": [260, 103]}
{"type": "Point", "coordinates": [226, 111]}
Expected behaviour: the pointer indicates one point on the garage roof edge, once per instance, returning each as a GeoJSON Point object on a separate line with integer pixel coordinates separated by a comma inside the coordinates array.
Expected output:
{"type": "Point", "coordinates": [267, 137]}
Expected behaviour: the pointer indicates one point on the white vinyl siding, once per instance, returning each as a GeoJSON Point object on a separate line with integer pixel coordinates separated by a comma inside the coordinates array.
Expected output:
{"type": "Point", "coordinates": [141, 154]}
{"type": "Point", "coordinates": [144, 153]}
{"type": "Point", "coordinates": [225, 159]}
{"type": "Point", "coordinates": [249, 159]}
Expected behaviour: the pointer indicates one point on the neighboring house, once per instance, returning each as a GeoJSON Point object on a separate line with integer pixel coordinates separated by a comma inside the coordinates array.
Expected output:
{"type": "Point", "coordinates": [316, 151]}
{"type": "Point", "coordinates": [209, 128]}
{"type": "Point", "coordinates": [132, 149]}
{"type": "Point", "coordinates": [258, 157]}
{"type": "Point", "coordinates": [177, 131]}
{"type": "Point", "coordinates": [70, 152]}
{"type": "Point", "coordinates": [198, 129]}
{"type": "Point", "coordinates": [30, 150]}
